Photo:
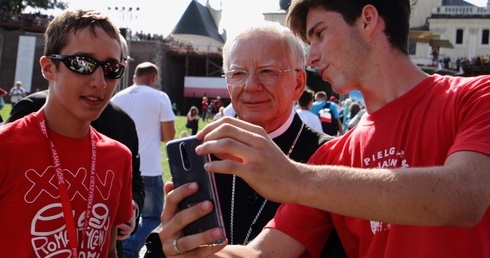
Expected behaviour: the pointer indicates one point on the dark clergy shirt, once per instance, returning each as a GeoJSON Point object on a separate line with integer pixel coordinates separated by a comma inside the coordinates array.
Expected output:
{"type": "Point", "coordinates": [247, 202]}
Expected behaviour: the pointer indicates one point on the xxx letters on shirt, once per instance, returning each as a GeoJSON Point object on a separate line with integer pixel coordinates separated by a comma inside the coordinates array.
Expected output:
{"type": "Point", "coordinates": [48, 227]}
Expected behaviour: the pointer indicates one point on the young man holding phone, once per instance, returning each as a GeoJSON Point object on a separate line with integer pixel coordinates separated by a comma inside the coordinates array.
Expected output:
{"type": "Point", "coordinates": [400, 184]}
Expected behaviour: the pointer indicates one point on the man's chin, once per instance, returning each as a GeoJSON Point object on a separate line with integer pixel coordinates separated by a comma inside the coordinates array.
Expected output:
{"type": "Point", "coordinates": [257, 118]}
{"type": "Point", "coordinates": [92, 116]}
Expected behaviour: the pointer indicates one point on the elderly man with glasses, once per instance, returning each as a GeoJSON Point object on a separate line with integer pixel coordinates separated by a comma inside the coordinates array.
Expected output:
{"type": "Point", "coordinates": [264, 71]}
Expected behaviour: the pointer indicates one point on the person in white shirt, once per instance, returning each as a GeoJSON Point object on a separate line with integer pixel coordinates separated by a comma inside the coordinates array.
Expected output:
{"type": "Point", "coordinates": [305, 102]}
{"type": "Point", "coordinates": [151, 110]}
{"type": "Point", "coordinates": [220, 114]}
{"type": "Point", "coordinates": [17, 92]}
{"type": "Point", "coordinates": [229, 110]}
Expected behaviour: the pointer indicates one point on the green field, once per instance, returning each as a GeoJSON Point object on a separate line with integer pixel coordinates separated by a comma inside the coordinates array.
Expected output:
{"type": "Point", "coordinates": [5, 111]}
{"type": "Point", "coordinates": [179, 127]}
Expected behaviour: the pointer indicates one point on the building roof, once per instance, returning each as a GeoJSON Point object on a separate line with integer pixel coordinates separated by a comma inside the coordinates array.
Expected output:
{"type": "Point", "coordinates": [197, 20]}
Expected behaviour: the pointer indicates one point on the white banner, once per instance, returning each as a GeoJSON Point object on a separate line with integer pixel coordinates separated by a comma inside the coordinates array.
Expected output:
{"type": "Point", "coordinates": [25, 61]}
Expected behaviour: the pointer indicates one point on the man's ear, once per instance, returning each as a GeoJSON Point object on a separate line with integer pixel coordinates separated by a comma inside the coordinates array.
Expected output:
{"type": "Point", "coordinates": [300, 84]}
{"type": "Point", "coordinates": [48, 68]}
{"type": "Point", "coordinates": [369, 18]}
{"type": "Point", "coordinates": [155, 79]}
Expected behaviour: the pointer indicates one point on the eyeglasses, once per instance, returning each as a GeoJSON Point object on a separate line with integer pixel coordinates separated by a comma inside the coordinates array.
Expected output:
{"type": "Point", "coordinates": [86, 65]}
{"type": "Point", "coordinates": [265, 76]}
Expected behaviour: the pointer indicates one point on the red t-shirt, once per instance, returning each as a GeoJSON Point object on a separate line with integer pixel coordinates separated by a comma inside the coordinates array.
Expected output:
{"type": "Point", "coordinates": [204, 106]}
{"type": "Point", "coordinates": [217, 104]}
{"type": "Point", "coordinates": [32, 218]}
{"type": "Point", "coordinates": [440, 116]}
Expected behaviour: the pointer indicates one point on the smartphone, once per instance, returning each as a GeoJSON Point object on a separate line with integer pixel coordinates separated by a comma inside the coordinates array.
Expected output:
{"type": "Point", "coordinates": [186, 166]}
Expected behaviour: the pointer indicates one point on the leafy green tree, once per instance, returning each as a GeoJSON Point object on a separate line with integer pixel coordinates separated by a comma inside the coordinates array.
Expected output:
{"type": "Point", "coordinates": [18, 6]}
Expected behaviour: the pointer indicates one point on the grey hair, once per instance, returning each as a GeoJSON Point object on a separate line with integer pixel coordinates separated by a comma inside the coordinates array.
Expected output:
{"type": "Point", "coordinates": [276, 30]}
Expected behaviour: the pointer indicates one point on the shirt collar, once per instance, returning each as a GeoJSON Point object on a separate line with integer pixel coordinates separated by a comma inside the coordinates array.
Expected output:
{"type": "Point", "coordinates": [283, 127]}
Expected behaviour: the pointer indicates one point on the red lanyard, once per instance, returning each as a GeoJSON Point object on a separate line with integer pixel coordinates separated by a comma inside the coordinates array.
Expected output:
{"type": "Point", "coordinates": [65, 198]}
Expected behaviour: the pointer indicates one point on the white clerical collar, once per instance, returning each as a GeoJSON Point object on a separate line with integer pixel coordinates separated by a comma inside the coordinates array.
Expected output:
{"type": "Point", "coordinates": [283, 127]}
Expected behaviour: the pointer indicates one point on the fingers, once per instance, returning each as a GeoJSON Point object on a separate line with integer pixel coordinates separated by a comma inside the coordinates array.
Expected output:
{"type": "Point", "coordinates": [232, 142]}
{"type": "Point", "coordinates": [174, 197]}
{"type": "Point", "coordinates": [173, 221]}
{"type": "Point", "coordinates": [246, 150]}
{"type": "Point", "coordinates": [174, 226]}
{"type": "Point", "coordinates": [237, 147]}
{"type": "Point", "coordinates": [123, 231]}
{"type": "Point", "coordinates": [236, 143]}
{"type": "Point", "coordinates": [192, 246]}
{"type": "Point", "coordinates": [167, 187]}
{"type": "Point", "coordinates": [232, 123]}
{"type": "Point", "coordinates": [132, 223]}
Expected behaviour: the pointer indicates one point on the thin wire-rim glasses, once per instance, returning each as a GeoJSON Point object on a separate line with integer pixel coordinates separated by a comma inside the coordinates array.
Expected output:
{"type": "Point", "coordinates": [268, 75]}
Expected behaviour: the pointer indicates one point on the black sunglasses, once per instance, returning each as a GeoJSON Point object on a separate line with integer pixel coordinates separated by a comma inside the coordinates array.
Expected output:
{"type": "Point", "coordinates": [86, 65]}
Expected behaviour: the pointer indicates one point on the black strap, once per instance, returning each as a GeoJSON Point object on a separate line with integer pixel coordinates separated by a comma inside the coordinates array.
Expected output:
{"type": "Point", "coordinates": [154, 247]}
{"type": "Point", "coordinates": [327, 105]}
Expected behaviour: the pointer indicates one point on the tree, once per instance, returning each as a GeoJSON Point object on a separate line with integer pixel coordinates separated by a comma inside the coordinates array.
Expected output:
{"type": "Point", "coordinates": [18, 6]}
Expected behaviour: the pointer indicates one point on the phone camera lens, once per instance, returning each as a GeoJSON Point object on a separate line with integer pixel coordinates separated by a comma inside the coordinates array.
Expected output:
{"type": "Point", "coordinates": [185, 156]}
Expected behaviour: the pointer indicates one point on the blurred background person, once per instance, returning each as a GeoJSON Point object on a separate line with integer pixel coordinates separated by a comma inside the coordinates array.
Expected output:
{"type": "Point", "coordinates": [192, 120]}
{"type": "Point", "coordinates": [204, 108]}
{"type": "Point", "coordinates": [305, 102]}
{"type": "Point", "coordinates": [220, 114]}
{"type": "Point", "coordinates": [151, 111]}
{"type": "Point", "coordinates": [17, 92]}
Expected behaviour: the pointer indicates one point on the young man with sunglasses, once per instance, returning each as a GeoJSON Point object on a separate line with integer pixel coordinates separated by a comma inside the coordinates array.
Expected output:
{"type": "Point", "coordinates": [58, 170]}
{"type": "Point", "coordinates": [411, 180]}
{"type": "Point", "coordinates": [112, 122]}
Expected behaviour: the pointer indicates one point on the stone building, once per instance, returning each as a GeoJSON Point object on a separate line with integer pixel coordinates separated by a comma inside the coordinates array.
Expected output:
{"type": "Point", "coordinates": [190, 58]}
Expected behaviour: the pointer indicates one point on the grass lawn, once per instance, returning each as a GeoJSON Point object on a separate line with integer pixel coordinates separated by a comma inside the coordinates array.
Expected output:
{"type": "Point", "coordinates": [5, 111]}
{"type": "Point", "coordinates": [179, 127]}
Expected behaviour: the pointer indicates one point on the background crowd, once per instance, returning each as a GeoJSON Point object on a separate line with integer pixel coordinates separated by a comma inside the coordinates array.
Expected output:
{"type": "Point", "coordinates": [346, 182]}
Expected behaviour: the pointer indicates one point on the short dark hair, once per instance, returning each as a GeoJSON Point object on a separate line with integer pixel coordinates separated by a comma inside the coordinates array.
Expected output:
{"type": "Point", "coordinates": [73, 21]}
{"type": "Point", "coordinates": [306, 97]}
{"type": "Point", "coordinates": [395, 13]}
{"type": "Point", "coordinates": [354, 108]}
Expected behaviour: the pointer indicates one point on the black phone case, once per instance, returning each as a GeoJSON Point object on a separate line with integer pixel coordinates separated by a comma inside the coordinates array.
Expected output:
{"type": "Point", "coordinates": [186, 166]}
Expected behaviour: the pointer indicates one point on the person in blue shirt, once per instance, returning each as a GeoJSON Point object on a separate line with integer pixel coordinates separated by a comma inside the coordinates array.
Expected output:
{"type": "Point", "coordinates": [329, 114]}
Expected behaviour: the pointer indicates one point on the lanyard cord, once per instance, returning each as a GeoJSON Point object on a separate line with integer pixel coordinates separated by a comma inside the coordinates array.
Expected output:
{"type": "Point", "coordinates": [65, 199]}
{"type": "Point", "coordinates": [233, 186]}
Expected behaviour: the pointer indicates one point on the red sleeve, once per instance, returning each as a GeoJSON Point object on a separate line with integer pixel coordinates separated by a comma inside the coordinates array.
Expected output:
{"type": "Point", "coordinates": [307, 225]}
{"type": "Point", "coordinates": [473, 118]}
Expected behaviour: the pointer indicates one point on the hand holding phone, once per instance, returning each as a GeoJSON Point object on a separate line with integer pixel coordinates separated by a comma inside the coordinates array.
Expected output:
{"type": "Point", "coordinates": [185, 167]}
